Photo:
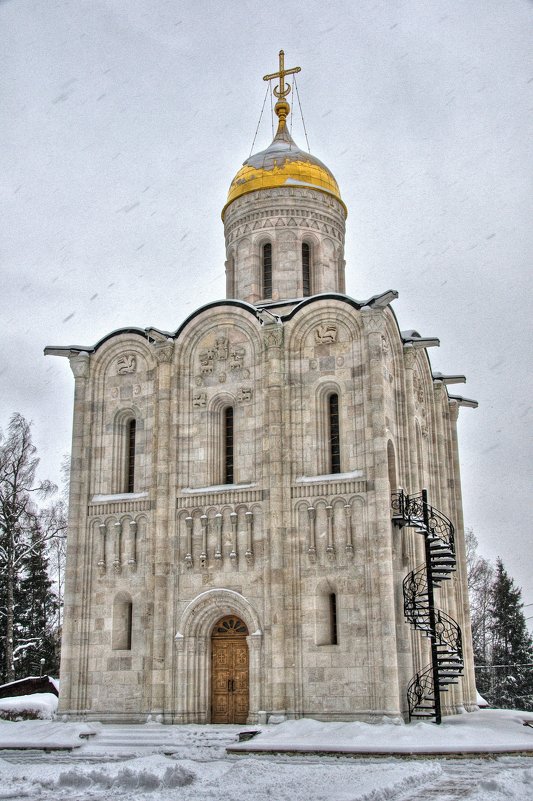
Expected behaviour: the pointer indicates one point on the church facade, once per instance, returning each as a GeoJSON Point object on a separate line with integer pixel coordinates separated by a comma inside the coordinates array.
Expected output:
{"type": "Point", "coordinates": [239, 546]}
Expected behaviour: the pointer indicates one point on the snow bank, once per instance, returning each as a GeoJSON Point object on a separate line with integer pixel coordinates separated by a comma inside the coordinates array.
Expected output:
{"type": "Point", "coordinates": [159, 777]}
{"type": "Point", "coordinates": [490, 730]}
{"type": "Point", "coordinates": [508, 784]}
{"type": "Point", "coordinates": [41, 705]}
{"type": "Point", "coordinates": [44, 734]}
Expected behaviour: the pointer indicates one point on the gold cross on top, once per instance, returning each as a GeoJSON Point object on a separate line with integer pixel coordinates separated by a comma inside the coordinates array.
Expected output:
{"type": "Point", "coordinates": [282, 90]}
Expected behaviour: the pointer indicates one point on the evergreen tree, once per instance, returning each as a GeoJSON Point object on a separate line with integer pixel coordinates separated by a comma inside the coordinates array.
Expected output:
{"type": "Point", "coordinates": [511, 646]}
{"type": "Point", "coordinates": [36, 632]}
{"type": "Point", "coordinates": [26, 599]}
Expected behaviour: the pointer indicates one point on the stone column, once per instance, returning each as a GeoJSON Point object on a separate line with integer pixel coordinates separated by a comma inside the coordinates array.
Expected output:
{"type": "Point", "coordinates": [203, 555]}
{"type": "Point", "coordinates": [131, 553]}
{"type": "Point", "coordinates": [413, 543]}
{"type": "Point", "coordinates": [330, 547]}
{"type": "Point", "coordinates": [446, 597]}
{"type": "Point", "coordinates": [188, 545]}
{"type": "Point", "coordinates": [441, 502]}
{"type": "Point", "coordinates": [385, 668]}
{"type": "Point", "coordinates": [274, 377]}
{"type": "Point", "coordinates": [162, 653]}
{"type": "Point", "coordinates": [73, 655]}
{"type": "Point", "coordinates": [101, 548]}
{"type": "Point", "coordinates": [249, 555]}
{"type": "Point", "coordinates": [233, 552]}
{"type": "Point", "coordinates": [311, 546]}
{"type": "Point", "coordinates": [463, 604]}
{"type": "Point", "coordinates": [349, 529]}
{"type": "Point", "coordinates": [218, 529]}
{"type": "Point", "coordinates": [117, 542]}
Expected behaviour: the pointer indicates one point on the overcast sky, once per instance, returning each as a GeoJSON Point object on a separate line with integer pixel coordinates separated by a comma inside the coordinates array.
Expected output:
{"type": "Point", "coordinates": [124, 121]}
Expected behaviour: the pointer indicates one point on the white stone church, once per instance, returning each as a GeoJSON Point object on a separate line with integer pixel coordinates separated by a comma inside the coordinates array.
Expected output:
{"type": "Point", "coordinates": [248, 536]}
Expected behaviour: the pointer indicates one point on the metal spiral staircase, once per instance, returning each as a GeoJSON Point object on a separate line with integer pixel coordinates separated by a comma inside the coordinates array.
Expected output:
{"type": "Point", "coordinates": [423, 691]}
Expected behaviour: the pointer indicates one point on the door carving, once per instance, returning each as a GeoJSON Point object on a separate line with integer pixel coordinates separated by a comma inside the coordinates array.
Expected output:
{"type": "Point", "coordinates": [230, 695]}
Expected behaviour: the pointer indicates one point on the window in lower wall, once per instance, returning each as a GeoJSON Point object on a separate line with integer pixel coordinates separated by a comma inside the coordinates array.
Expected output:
{"type": "Point", "coordinates": [122, 622]}
{"type": "Point", "coordinates": [326, 626]}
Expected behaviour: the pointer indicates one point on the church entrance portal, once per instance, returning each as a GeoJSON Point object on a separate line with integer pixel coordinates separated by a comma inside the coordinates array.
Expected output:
{"type": "Point", "coordinates": [229, 671]}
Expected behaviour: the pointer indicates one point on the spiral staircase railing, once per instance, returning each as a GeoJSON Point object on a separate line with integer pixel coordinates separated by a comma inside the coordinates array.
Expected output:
{"type": "Point", "coordinates": [424, 689]}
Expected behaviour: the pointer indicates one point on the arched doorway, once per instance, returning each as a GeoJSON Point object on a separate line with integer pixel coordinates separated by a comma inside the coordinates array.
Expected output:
{"type": "Point", "coordinates": [230, 697]}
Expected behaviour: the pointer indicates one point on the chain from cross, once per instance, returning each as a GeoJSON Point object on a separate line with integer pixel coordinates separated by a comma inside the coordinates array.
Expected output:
{"type": "Point", "coordinates": [283, 89]}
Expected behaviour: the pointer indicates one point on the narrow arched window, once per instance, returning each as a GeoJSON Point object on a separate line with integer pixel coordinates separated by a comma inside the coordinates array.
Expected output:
{"type": "Point", "coordinates": [334, 638]}
{"type": "Point", "coordinates": [228, 445]}
{"type": "Point", "coordinates": [306, 269]}
{"type": "Point", "coordinates": [267, 270]}
{"type": "Point", "coordinates": [122, 622]}
{"type": "Point", "coordinates": [326, 624]}
{"type": "Point", "coordinates": [130, 461]}
{"type": "Point", "coordinates": [334, 434]}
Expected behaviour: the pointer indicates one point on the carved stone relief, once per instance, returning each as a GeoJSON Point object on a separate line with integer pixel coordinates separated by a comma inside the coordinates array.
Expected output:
{"type": "Point", "coordinates": [418, 388]}
{"type": "Point", "coordinates": [274, 338]}
{"type": "Point", "coordinates": [231, 356]}
{"type": "Point", "coordinates": [326, 334]}
{"type": "Point", "coordinates": [199, 400]}
{"type": "Point", "coordinates": [206, 361]}
{"type": "Point", "coordinates": [244, 395]}
{"type": "Point", "coordinates": [127, 363]}
{"type": "Point", "coordinates": [237, 358]}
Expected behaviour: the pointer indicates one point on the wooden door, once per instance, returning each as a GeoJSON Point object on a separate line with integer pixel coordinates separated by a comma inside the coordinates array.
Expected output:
{"type": "Point", "coordinates": [229, 672]}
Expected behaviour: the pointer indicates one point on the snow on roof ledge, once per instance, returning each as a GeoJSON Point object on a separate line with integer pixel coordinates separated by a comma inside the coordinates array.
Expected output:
{"type": "Point", "coordinates": [119, 496]}
{"type": "Point", "coordinates": [449, 379]}
{"type": "Point", "coordinates": [467, 402]}
{"type": "Point", "coordinates": [382, 300]}
{"type": "Point", "coordinates": [413, 338]}
{"type": "Point", "coordinates": [329, 477]}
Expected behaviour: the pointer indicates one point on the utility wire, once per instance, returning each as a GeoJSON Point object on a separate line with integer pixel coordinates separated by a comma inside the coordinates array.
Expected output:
{"type": "Point", "coordinates": [301, 112]}
{"type": "Point", "coordinates": [260, 118]}
{"type": "Point", "coordinates": [271, 108]}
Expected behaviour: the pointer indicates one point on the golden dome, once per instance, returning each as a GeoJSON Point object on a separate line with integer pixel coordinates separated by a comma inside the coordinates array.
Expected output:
{"type": "Point", "coordinates": [282, 164]}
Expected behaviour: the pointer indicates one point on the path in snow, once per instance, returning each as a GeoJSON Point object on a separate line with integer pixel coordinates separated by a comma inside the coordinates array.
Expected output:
{"type": "Point", "coordinates": [189, 763]}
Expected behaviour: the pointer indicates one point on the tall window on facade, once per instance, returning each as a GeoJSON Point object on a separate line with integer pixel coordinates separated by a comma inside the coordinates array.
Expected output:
{"type": "Point", "coordinates": [122, 622]}
{"type": "Point", "coordinates": [228, 445]}
{"type": "Point", "coordinates": [333, 619]}
{"type": "Point", "coordinates": [267, 270]}
{"type": "Point", "coordinates": [334, 434]}
{"type": "Point", "coordinates": [306, 269]}
{"type": "Point", "coordinates": [130, 461]}
{"type": "Point", "coordinates": [327, 627]}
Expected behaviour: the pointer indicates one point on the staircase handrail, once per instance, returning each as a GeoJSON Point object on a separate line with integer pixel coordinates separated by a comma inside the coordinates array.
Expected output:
{"type": "Point", "coordinates": [448, 633]}
{"type": "Point", "coordinates": [414, 585]}
{"type": "Point", "coordinates": [420, 688]}
{"type": "Point", "coordinates": [409, 511]}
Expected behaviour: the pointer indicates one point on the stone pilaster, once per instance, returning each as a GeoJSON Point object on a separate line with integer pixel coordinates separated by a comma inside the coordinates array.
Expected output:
{"type": "Point", "coordinates": [385, 667]}
{"type": "Point", "coordinates": [73, 664]}
{"type": "Point", "coordinates": [274, 372]}
{"type": "Point", "coordinates": [463, 604]}
{"type": "Point", "coordinates": [162, 652]}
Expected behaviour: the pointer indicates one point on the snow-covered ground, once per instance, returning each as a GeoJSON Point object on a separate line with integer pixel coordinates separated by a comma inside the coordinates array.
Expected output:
{"type": "Point", "coordinates": [190, 763]}
{"type": "Point", "coordinates": [42, 705]}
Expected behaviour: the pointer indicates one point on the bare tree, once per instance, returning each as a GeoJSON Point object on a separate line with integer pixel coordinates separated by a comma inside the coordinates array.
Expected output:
{"type": "Point", "coordinates": [480, 580]}
{"type": "Point", "coordinates": [23, 527]}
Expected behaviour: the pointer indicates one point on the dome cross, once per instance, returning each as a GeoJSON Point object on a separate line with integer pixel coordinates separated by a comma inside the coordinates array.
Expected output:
{"type": "Point", "coordinates": [282, 90]}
